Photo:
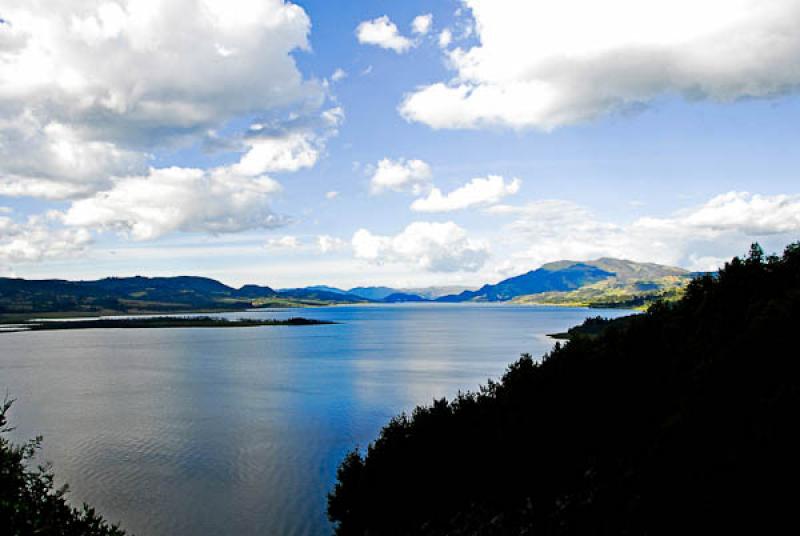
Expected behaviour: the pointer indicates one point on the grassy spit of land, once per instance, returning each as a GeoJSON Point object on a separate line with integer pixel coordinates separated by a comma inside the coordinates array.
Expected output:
{"type": "Point", "coordinates": [157, 322]}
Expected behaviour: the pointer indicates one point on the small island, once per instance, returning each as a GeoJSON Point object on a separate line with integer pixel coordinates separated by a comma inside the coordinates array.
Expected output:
{"type": "Point", "coordinates": [158, 322]}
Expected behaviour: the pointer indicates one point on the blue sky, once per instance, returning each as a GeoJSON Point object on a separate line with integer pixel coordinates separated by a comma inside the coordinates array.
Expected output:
{"type": "Point", "coordinates": [229, 148]}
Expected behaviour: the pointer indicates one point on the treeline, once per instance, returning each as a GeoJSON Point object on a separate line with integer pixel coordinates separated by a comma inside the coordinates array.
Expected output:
{"type": "Point", "coordinates": [680, 420]}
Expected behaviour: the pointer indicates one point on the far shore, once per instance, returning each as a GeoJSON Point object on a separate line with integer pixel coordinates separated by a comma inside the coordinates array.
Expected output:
{"type": "Point", "coordinates": [155, 322]}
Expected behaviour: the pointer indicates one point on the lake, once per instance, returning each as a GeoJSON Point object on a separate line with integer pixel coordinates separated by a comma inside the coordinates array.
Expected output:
{"type": "Point", "coordinates": [217, 431]}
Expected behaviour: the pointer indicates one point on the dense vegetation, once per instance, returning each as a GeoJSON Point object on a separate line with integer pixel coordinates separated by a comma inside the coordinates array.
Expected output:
{"type": "Point", "coordinates": [31, 504]}
{"type": "Point", "coordinates": [615, 292]}
{"type": "Point", "coordinates": [680, 420]}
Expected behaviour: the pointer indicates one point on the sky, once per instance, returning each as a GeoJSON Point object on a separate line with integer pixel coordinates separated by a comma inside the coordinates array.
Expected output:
{"type": "Point", "coordinates": [413, 143]}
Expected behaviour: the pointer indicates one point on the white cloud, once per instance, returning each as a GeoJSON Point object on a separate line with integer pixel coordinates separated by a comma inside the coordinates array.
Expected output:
{"type": "Point", "coordinates": [339, 74]}
{"type": "Point", "coordinates": [547, 64]}
{"type": "Point", "coordinates": [38, 239]}
{"type": "Point", "coordinates": [89, 88]}
{"type": "Point", "coordinates": [331, 195]}
{"type": "Point", "coordinates": [477, 192]}
{"type": "Point", "coordinates": [445, 38]}
{"type": "Point", "coordinates": [274, 154]}
{"type": "Point", "coordinates": [422, 24]}
{"type": "Point", "coordinates": [287, 147]}
{"type": "Point", "coordinates": [179, 199]}
{"type": "Point", "coordinates": [284, 242]}
{"type": "Point", "coordinates": [383, 33]}
{"type": "Point", "coordinates": [697, 237]}
{"type": "Point", "coordinates": [435, 247]}
{"type": "Point", "coordinates": [328, 244]}
{"type": "Point", "coordinates": [400, 175]}
{"type": "Point", "coordinates": [750, 214]}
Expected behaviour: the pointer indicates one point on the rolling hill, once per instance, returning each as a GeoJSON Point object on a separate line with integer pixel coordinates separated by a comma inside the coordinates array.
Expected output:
{"type": "Point", "coordinates": [601, 282]}
{"type": "Point", "coordinates": [148, 295]}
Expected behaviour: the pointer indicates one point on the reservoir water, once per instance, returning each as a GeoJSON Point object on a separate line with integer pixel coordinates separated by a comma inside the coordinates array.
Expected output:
{"type": "Point", "coordinates": [223, 431]}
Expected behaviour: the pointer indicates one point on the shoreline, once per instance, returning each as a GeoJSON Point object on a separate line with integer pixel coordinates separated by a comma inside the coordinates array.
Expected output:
{"type": "Point", "coordinates": [158, 322]}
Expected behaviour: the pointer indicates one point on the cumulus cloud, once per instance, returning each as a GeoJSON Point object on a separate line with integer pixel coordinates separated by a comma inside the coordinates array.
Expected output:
{"type": "Point", "coordinates": [547, 64]}
{"type": "Point", "coordinates": [89, 88]}
{"type": "Point", "coordinates": [400, 175]}
{"type": "Point", "coordinates": [477, 192]}
{"type": "Point", "coordinates": [287, 146]}
{"type": "Point", "coordinates": [280, 153]}
{"type": "Point", "coordinates": [435, 247]}
{"type": "Point", "coordinates": [328, 244]}
{"type": "Point", "coordinates": [751, 214]}
{"type": "Point", "coordinates": [697, 237]}
{"type": "Point", "coordinates": [422, 24]}
{"type": "Point", "coordinates": [179, 199]}
{"type": "Point", "coordinates": [39, 239]}
{"type": "Point", "coordinates": [383, 32]}
{"type": "Point", "coordinates": [445, 38]}
{"type": "Point", "coordinates": [339, 74]}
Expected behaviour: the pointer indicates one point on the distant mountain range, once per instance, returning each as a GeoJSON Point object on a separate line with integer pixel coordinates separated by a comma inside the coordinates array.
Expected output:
{"type": "Point", "coordinates": [612, 283]}
{"type": "Point", "coordinates": [150, 295]}
{"type": "Point", "coordinates": [603, 282]}
{"type": "Point", "coordinates": [382, 293]}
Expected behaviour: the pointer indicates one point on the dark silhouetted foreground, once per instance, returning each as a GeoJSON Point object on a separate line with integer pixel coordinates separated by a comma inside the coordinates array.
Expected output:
{"type": "Point", "coordinates": [683, 420]}
{"type": "Point", "coordinates": [30, 504]}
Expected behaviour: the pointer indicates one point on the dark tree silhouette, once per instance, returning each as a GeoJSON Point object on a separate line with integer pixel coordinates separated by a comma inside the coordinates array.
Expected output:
{"type": "Point", "coordinates": [680, 420]}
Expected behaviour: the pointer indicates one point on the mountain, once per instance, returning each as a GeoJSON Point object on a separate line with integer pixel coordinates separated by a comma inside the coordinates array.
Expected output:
{"type": "Point", "coordinates": [325, 288]}
{"type": "Point", "coordinates": [149, 294]}
{"type": "Point", "coordinates": [556, 278]}
{"type": "Point", "coordinates": [335, 296]}
{"type": "Point", "coordinates": [624, 270]}
{"type": "Point", "coordinates": [373, 293]}
{"type": "Point", "coordinates": [431, 293]}
{"type": "Point", "coordinates": [681, 420]}
{"type": "Point", "coordinates": [568, 277]}
{"type": "Point", "coordinates": [425, 293]}
{"type": "Point", "coordinates": [401, 297]}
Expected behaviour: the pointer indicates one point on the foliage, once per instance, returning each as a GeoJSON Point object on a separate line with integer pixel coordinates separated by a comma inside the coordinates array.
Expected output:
{"type": "Point", "coordinates": [30, 502]}
{"type": "Point", "coordinates": [615, 292]}
{"type": "Point", "coordinates": [680, 420]}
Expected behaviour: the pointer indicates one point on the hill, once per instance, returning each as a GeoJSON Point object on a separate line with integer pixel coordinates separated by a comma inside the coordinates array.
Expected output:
{"type": "Point", "coordinates": [21, 297]}
{"type": "Point", "coordinates": [604, 282]}
{"type": "Point", "coordinates": [680, 420]}
{"type": "Point", "coordinates": [572, 276]}
{"type": "Point", "coordinates": [396, 294]}
{"type": "Point", "coordinates": [614, 293]}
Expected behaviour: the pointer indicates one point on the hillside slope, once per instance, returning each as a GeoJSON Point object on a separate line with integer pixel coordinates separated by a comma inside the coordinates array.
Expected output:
{"type": "Point", "coordinates": [623, 279]}
{"type": "Point", "coordinates": [543, 279]}
{"type": "Point", "coordinates": [148, 294]}
{"type": "Point", "coordinates": [681, 420]}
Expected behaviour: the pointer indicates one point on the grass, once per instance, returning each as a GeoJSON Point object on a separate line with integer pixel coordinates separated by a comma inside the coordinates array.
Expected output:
{"type": "Point", "coordinates": [160, 322]}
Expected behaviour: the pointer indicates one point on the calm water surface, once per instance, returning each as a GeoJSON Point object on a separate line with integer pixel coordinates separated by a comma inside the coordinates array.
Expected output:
{"type": "Point", "coordinates": [218, 431]}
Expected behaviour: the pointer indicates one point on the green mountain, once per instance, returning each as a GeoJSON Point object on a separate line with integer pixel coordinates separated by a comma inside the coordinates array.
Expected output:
{"type": "Point", "coordinates": [544, 279]}
{"type": "Point", "coordinates": [682, 420]}
{"type": "Point", "coordinates": [21, 297]}
{"type": "Point", "coordinates": [603, 282]}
